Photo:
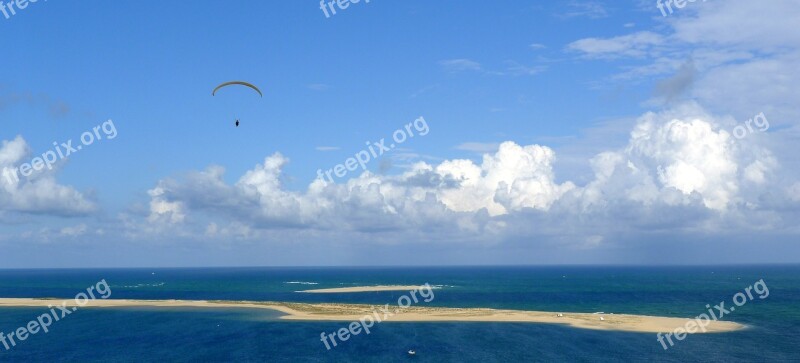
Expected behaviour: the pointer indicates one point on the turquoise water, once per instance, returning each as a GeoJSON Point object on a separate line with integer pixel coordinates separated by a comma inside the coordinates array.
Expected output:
{"type": "Point", "coordinates": [192, 335]}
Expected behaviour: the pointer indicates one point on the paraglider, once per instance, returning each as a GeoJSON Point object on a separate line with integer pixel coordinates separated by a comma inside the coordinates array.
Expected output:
{"type": "Point", "coordinates": [240, 83]}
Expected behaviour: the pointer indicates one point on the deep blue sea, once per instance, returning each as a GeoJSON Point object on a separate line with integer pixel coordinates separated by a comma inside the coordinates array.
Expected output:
{"type": "Point", "coordinates": [214, 335]}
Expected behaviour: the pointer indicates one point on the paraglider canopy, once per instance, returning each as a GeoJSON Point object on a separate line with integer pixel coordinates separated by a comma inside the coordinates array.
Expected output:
{"type": "Point", "coordinates": [241, 83]}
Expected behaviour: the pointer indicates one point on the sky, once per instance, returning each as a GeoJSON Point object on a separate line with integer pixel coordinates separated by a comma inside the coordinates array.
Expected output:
{"type": "Point", "coordinates": [514, 132]}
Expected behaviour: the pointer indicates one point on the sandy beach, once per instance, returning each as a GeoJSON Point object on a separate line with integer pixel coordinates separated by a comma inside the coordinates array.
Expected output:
{"type": "Point", "coordinates": [354, 312]}
{"type": "Point", "coordinates": [365, 289]}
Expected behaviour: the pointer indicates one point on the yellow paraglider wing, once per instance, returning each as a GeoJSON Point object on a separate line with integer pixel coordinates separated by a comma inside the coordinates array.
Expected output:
{"type": "Point", "coordinates": [241, 83]}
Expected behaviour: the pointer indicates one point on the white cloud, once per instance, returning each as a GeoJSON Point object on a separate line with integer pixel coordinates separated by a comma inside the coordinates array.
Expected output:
{"type": "Point", "coordinates": [512, 68]}
{"type": "Point", "coordinates": [680, 168]}
{"type": "Point", "coordinates": [162, 210]}
{"type": "Point", "coordinates": [769, 25]}
{"type": "Point", "coordinates": [327, 148]}
{"type": "Point", "coordinates": [39, 193]}
{"type": "Point", "coordinates": [516, 69]}
{"type": "Point", "coordinates": [460, 65]}
{"type": "Point", "coordinates": [794, 192]}
{"type": "Point", "coordinates": [742, 72]}
{"type": "Point", "coordinates": [589, 9]}
{"type": "Point", "coordinates": [515, 177]}
{"type": "Point", "coordinates": [74, 231]}
{"type": "Point", "coordinates": [688, 154]}
{"type": "Point", "coordinates": [759, 85]}
{"type": "Point", "coordinates": [638, 44]}
{"type": "Point", "coordinates": [479, 147]}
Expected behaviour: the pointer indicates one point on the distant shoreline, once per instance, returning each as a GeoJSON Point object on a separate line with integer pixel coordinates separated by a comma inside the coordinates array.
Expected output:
{"type": "Point", "coordinates": [353, 312]}
{"type": "Point", "coordinates": [364, 289]}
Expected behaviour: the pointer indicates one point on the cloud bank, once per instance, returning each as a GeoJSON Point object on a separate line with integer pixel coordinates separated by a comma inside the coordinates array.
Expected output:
{"type": "Point", "coordinates": [681, 171]}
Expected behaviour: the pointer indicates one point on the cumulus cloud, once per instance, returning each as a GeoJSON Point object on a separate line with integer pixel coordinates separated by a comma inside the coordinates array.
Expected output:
{"type": "Point", "coordinates": [162, 210]}
{"type": "Point", "coordinates": [454, 185]}
{"type": "Point", "coordinates": [689, 155]}
{"type": "Point", "coordinates": [685, 156]}
{"type": "Point", "coordinates": [680, 169]}
{"type": "Point", "coordinates": [515, 177]}
{"type": "Point", "coordinates": [38, 193]}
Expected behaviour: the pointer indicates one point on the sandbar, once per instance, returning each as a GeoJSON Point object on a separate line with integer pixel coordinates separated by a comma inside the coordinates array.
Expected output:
{"type": "Point", "coordinates": [354, 312]}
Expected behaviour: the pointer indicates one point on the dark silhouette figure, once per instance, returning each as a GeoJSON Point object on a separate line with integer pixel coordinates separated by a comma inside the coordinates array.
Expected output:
{"type": "Point", "coordinates": [237, 123]}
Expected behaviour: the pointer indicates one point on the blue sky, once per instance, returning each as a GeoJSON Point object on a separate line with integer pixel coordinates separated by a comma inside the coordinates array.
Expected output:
{"type": "Point", "coordinates": [564, 85]}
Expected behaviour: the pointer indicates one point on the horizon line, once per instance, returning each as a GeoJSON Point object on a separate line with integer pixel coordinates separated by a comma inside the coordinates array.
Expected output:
{"type": "Point", "coordinates": [750, 264]}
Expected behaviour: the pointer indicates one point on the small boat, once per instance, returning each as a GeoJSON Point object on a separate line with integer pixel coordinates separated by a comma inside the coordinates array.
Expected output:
{"type": "Point", "coordinates": [412, 352]}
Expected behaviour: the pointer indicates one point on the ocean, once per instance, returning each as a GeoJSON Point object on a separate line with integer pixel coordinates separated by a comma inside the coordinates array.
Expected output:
{"type": "Point", "coordinates": [246, 335]}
